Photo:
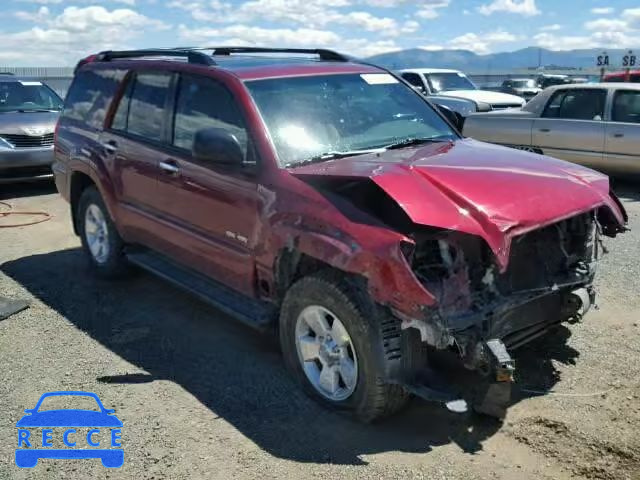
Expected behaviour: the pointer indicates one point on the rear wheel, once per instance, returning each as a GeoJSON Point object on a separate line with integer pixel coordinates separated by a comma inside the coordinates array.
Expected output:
{"type": "Point", "coordinates": [328, 344]}
{"type": "Point", "coordinates": [101, 242]}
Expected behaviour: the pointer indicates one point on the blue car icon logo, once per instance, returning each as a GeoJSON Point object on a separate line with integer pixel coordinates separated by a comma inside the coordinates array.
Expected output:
{"type": "Point", "coordinates": [98, 422]}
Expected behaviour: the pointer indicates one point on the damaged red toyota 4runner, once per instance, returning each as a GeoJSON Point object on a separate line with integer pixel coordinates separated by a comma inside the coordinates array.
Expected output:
{"type": "Point", "coordinates": [321, 195]}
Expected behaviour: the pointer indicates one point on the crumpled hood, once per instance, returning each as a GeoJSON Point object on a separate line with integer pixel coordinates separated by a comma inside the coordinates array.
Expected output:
{"type": "Point", "coordinates": [478, 188]}
{"type": "Point", "coordinates": [486, 96]}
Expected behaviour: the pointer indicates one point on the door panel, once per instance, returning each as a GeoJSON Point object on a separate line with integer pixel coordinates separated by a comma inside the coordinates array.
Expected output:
{"type": "Point", "coordinates": [622, 141]}
{"type": "Point", "coordinates": [579, 141]}
{"type": "Point", "coordinates": [212, 208]}
{"type": "Point", "coordinates": [213, 214]}
{"type": "Point", "coordinates": [133, 145]}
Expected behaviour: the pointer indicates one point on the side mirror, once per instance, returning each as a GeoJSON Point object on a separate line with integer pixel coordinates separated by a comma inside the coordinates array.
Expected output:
{"type": "Point", "coordinates": [420, 90]}
{"type": "Point", "coordinates": [217, 145]}
{"type": "Point", "coordinates": [454, 118]}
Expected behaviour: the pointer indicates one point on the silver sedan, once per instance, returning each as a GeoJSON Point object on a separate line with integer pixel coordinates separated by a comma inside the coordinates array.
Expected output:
{"type": "Point", "coordinates": [597, 125]}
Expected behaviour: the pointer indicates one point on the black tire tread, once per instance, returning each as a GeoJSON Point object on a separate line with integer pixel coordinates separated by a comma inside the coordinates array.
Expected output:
{"type": "Point", "coordinates": [383, 399]}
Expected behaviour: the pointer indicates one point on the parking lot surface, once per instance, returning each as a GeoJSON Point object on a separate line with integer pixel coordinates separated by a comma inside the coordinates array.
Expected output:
{"type": "Point", "coordinates": [203, 397]}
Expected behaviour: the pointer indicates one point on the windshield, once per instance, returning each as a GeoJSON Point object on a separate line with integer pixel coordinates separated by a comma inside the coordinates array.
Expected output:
{"type": "Point", "coordinates": [27, 96]}
{"type": "Point", "coordinates": [314, 116]}
{"type": "Point", "coordinates": [441, 82]}
{"type": "Point", "coordinates": [524, 84]}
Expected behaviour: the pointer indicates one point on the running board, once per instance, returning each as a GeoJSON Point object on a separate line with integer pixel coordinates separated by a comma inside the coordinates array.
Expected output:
{"type": "Point", "coordinates": [252, 312]}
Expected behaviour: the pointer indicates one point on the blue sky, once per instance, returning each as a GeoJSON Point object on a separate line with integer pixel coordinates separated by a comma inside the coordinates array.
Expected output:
{"type": "Point", "coordinates": [58, 32]}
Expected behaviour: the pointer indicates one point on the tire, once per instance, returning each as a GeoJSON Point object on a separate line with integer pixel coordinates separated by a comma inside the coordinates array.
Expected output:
{"type": "Point", "coordinates": [110, 262]}
{"type": "Point", "coordinates": [371, 398]}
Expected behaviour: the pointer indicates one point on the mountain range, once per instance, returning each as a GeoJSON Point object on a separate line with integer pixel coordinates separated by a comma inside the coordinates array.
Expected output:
{"type": "Point", "coordinates": [505, 61]}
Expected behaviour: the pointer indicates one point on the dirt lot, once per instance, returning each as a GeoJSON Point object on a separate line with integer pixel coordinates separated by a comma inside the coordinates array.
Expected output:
{"type": "Point", "coordinates": [203, 397]}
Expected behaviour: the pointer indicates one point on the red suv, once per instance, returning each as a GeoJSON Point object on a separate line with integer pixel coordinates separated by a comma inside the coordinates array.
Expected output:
{"type": "Point", "coordinates": [322, 195]}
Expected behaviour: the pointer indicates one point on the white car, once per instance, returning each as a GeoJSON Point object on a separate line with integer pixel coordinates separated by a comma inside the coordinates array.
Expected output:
{"type": "Point", "coordinates": [453, 83]}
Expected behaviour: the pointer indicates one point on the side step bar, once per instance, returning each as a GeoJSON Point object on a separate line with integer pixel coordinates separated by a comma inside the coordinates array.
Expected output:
{"type": "Point", "coordinates": [252, 312]}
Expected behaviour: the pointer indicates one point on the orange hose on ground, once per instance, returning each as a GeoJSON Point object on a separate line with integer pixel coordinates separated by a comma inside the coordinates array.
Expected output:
{"type": "Point", "coordinates": [9, 212]}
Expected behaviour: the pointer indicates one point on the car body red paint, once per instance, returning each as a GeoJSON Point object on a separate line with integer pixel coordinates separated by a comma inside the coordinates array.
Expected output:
{"type": "Point", "coordinates": [246, 227]}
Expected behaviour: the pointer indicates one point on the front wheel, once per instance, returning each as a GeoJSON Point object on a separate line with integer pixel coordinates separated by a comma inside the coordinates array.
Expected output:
{"type": "Point", "coordinates": [101, 242]}
{"type": "Point", "coordinates": [328, 344]}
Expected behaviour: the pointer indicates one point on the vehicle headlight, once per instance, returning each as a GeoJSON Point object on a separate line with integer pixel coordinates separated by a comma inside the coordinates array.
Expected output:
{"type": "Point", "coordinates": [483, 107]}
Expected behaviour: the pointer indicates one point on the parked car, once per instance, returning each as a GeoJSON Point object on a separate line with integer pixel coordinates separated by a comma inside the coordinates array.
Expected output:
{"type": "Point", "coordinates": [326, 197]}
{"type": "Point", "coordinates": [28, 114]}
{"type": "Point", "coordinates": [632, 76]}
{"type": "Point", "coordinates": [549, 80]}
{"type": "Point", "coordinates": [526, 88]}
{"type": "Point", "coordinates": [453, 83]}
{"type": "Point", "coordinates": [597, 125]}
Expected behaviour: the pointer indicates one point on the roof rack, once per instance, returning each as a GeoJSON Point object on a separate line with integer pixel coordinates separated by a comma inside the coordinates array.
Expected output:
{"type": "Point", "coordinates": [323, 53]}
{"type": "Point", "coordinates": [191, 55]}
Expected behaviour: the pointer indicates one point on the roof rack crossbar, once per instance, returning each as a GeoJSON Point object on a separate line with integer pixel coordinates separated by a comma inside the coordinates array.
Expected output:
{"type": "Point", "coordinates": [192, 56]}
{"type": "Point", "coordinates": [323, 53]}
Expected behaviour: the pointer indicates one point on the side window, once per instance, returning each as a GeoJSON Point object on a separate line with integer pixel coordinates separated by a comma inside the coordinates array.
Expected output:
{"type": "Point", "coordinates": [414, 79]}
{"type": "Point", "coordinates": [553, 107]}
{"type": "Point", "coordinates": [90, 95]}
{"type": "Point", "coordinates": [204, 103]}
{"type": "Point", "coordinates": [626, 107]}
{"type": "Point", "coordinates": [577, 104]}
{"type": "Point", "coordinates": [141, 109]}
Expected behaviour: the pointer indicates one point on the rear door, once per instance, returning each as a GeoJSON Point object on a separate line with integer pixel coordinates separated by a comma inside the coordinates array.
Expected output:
{"type": "Point", "coordinates": [212, 208]}
{"type": "Point", "coordinates": [134, 144]}
{"type": "Point", "coordinates": [572, 126]}
{"type": "Point", "coordinates": [622, 142]}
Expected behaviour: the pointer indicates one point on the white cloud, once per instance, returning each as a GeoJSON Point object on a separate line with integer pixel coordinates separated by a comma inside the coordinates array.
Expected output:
{"type": "Point", "coordinates": [285, 37]}
{"type": "Point", "coordinates": [249, 35]}
{"type": "Point", "coordinates": [606, 24]}
{"type": "Point", "coordinates": [482, 43]}
{"type": "Point", "coordinates": [313, 14]}
{"type": "Point", "coordinates": [429, 10]}
{"type": "Point", "coordinates": [524, 7]}
{"type": "Point", "coordinates": [602, 10]}
{"type": "Point", "coordinates": [41, 15]}
{"type": "Point", "coordinates": [560, 42]}
{"type": "Point", "coordinates": [551, 28]}
{"type": "Point", "coordinates": [74, 33]}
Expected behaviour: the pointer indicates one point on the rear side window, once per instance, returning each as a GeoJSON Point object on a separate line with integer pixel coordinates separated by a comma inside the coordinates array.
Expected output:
{"type": "Point", "coordinates": [141, 109]}
{"type": "Point", "coordinates": [626, 107]}
{"type": "Point", "coordinates": [91, 94]}
{"type": "Point", "coordinates": [577, 104]}
{"type": "Point", "coordinates": [204, 103]}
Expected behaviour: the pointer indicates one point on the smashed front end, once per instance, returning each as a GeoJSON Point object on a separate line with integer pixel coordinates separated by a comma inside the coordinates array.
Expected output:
{"type": "Point", "coordinates": [483, 313]}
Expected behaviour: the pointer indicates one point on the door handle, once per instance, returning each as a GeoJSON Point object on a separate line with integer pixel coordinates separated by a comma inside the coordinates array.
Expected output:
{"type": "Point", "coordinates": [618, 135]}
{"type": "Point", "coordinates": [110, 146]}
{"type": "Point", "coordinates": [169, 166]}
{"type": "Point", "coordinates": [545, 130]}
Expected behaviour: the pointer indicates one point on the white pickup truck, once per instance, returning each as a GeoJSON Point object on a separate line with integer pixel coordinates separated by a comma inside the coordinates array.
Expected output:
{"type": "Point", "coordinates": [453, 83]}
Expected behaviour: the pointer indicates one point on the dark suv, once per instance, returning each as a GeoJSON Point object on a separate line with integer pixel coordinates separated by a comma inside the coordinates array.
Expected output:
{"type": "Point", "coordinates": [323, 196]}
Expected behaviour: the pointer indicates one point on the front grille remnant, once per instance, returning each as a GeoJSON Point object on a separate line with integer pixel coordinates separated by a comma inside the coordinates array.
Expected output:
{"type": "Point", "coordinates": [28, 141]}
{"type": "Point", "coordinates": [458, 269]}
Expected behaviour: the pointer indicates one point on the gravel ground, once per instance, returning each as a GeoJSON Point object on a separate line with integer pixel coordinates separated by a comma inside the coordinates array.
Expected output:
{"type": "Point", "coordinates": [204, 397]}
